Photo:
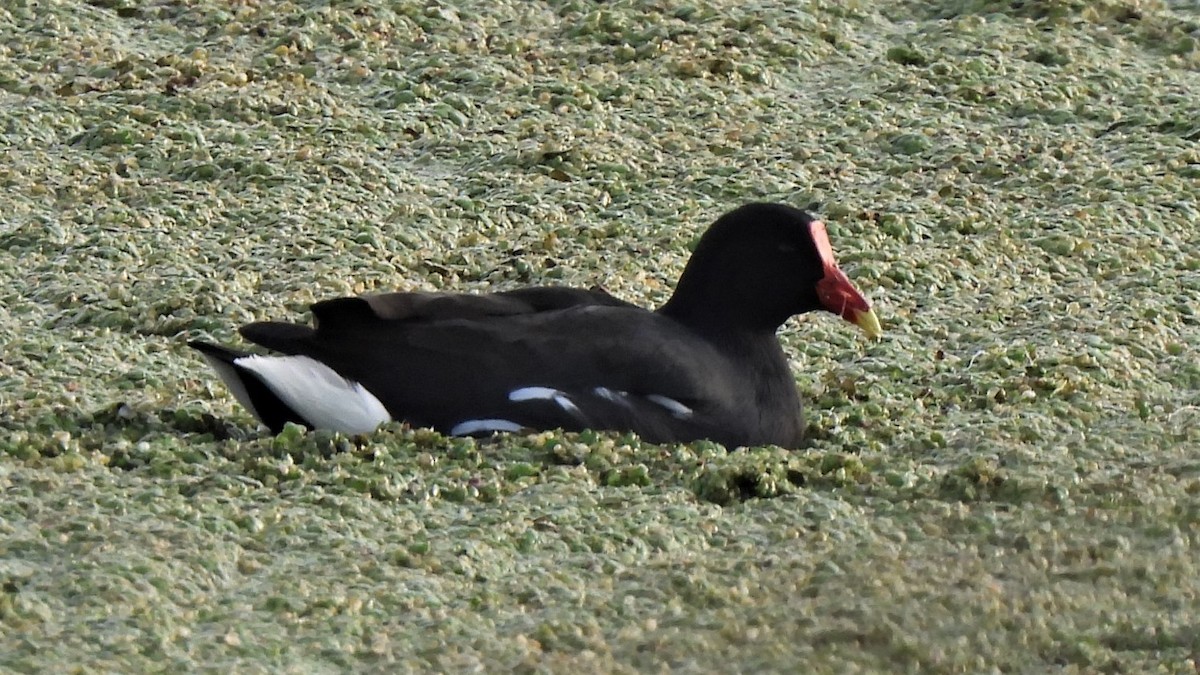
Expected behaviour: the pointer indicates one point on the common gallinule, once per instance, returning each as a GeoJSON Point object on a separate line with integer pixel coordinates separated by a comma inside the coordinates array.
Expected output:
{"type": "Point", "coordinates": [707, 364]}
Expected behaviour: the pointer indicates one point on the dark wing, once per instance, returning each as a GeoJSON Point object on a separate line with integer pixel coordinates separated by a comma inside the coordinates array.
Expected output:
{"type": "Point", "coordinates": [536, 358]}
{"type": "Point", "coordinates": [421, 306]}
{"type": "Point", "coordinates": [367, 313]}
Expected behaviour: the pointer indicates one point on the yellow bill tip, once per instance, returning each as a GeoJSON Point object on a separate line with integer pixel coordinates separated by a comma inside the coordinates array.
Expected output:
{"type": "Point", "coordinates": [869, 322]}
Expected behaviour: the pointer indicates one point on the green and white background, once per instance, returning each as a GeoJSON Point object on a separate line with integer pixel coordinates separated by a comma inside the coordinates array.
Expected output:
{"type": "Point", "coordinates": [1009, 481]}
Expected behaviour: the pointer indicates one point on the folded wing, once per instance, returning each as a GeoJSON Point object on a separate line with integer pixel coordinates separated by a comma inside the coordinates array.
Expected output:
{"type": "Point", "coordinates": [534, 358]}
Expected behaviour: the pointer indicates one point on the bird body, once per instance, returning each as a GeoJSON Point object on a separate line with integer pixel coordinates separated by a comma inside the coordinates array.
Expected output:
{"type": "Point", "coordinates": [705, 365]}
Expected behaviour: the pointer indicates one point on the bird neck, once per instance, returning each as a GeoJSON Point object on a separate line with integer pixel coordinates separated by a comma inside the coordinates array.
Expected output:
{"type": "Point", "coordinates": [710, 304]}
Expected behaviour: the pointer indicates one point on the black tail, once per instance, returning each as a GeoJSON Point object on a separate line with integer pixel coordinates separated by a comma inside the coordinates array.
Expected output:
{"type": "Point", "coordinates": [222, 354]}
{"type": "Point", "coordinates": [279, 336]}
{"type": "Point", "coordinates": [246, 387]}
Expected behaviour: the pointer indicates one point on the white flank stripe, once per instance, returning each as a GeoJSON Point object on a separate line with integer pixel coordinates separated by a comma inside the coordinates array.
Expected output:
{"type": "Point", "coordinates": [613, 396]}
{"type": "Point", "coordinates": [469, 427]}
{"type": "Point", "coordinates": [677, 409]}
{"type": "Point", "coordinates": [317, 393]}
{"type": "Point", "coordinates": [533, 394]}
{"type": "Point", "coordinates": [543, 394]}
